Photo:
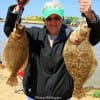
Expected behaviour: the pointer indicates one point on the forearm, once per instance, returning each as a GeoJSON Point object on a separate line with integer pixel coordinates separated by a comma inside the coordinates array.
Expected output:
{"type": "Point", "coordinates": [90, 15]}
{"type": "Point", "coordinates": [10, 20]}
{"type": "Point", "coordinates": [95, 28]}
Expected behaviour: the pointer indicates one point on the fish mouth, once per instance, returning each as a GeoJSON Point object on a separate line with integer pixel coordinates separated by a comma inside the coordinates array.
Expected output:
{"type": "Point", "coordinates": [77, 41]}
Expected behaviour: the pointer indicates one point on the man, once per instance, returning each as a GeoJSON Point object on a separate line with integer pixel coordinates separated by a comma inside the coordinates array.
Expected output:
{"type": "Point", "coordinates": [45, 75]}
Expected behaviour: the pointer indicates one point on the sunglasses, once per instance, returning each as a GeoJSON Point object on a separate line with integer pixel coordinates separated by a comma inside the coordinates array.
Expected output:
{"type": "Point", "coordinates": [57, 18]}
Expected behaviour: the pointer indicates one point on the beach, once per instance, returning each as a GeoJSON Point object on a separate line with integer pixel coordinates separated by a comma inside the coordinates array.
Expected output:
{"type": "Point", "coordinates": [9, 93]}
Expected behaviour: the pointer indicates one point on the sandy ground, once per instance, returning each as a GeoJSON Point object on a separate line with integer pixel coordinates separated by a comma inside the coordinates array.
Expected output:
{"type": "Point", "coordinates": [9, 93]}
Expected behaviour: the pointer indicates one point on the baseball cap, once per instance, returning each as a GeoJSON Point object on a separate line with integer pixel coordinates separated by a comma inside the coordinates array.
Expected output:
{"type": "Point", "coordinates": [52, 8]}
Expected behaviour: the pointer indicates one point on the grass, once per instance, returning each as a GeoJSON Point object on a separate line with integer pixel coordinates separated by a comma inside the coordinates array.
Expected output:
{"type": "Point", "coordinates": [95, 94]}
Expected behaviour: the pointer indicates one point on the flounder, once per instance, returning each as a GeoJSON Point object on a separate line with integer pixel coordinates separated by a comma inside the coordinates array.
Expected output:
{"type": "Point", "coordinates": [15, 53]}
{"type": "Point", "coordinates": [79, 58]}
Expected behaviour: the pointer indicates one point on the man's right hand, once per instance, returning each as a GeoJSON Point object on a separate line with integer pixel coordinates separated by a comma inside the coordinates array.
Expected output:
{"type": "Point", "coordinates": [20, 5]}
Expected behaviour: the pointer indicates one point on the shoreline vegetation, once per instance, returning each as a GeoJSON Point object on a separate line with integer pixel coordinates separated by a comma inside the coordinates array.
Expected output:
{"type": "Point", "coordinates": [71, 21]}
{"type": "Point", "coordinates": [28, 22]}
{"type": "Point", "coordinates": [32, 22]}
{"type": "Point", "coordinates": [38, 22]}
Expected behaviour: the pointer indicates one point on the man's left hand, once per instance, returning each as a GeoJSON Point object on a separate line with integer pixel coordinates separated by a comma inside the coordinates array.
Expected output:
{"type": "Point", "coordinates": [85, 7]}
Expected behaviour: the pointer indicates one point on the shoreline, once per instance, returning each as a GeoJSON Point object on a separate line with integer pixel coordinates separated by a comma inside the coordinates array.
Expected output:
{"type": "Point", "coordinates": [32, 22]}
{"type": "Point", "coordinates": [28, 22]}
{"type": "Point", "coordinates": [2, 20]}
{"type": "Point", "coordinates": [38, 22]}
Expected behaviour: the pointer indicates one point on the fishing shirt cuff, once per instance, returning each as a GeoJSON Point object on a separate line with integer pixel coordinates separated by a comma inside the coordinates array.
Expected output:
{"type": "Point", "coordinates": [97, 18]}
{"type": "Point", "coordinates": [14, 11]}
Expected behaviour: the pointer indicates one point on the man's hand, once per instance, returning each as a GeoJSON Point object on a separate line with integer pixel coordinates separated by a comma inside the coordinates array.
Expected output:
{"type": "Point", "coordinates": [22, 3]}
{"type": "Point", "coordinates": [85, 7]}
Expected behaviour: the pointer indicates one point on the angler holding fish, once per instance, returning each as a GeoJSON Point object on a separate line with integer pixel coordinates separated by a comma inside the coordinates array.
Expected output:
{"type": "Point", "coordinates": [46, 75]}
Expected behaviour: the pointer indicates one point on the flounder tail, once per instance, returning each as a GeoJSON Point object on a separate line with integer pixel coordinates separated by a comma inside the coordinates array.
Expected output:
{"type": "Point", "coordinates": [12, 80]}
{"type": "Point", "coordinates": [78, 92]}
{"type": "Point", "coordinates": [2, 66]}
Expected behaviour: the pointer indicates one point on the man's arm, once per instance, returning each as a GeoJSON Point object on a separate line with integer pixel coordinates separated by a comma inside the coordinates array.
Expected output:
{"type": "Point", "coordinates": [10, 20]}
{"type": "Point", "coordinates": [85, 7]}
{"type": "Point", "coordinates": [92, 19]}
{"type": "Point", "coordinates": [14, 16]}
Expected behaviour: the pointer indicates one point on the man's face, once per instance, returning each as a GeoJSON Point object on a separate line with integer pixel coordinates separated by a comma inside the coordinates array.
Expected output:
{"type": "Point", "coordinates": [53, 24]}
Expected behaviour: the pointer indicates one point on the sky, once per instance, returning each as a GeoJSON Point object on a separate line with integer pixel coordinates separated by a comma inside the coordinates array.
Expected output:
{"type": "Point", "coordinates": [34, 7]}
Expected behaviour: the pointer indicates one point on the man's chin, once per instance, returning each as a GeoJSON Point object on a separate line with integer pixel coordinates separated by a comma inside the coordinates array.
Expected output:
{"type": "Point", "coordinates": [54, 32]}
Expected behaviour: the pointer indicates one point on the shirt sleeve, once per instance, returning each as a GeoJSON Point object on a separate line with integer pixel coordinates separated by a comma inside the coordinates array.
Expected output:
{"type": "Point", "coordinates": [95, 29]}
{"type": "Point", "coordinates": [10, 20]}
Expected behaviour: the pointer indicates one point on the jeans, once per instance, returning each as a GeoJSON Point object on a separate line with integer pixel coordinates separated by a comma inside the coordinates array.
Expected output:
{"type": "Point", "coordinates": [28, 98]}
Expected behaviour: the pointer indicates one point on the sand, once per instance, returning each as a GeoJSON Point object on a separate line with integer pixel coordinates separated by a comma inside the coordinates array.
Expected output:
{"type": "Point", "coordinates": [8, 93]}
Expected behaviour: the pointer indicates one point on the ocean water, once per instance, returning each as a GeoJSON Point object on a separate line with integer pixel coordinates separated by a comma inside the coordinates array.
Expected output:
{"type": "Point", "coordinates": [93, 81]}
